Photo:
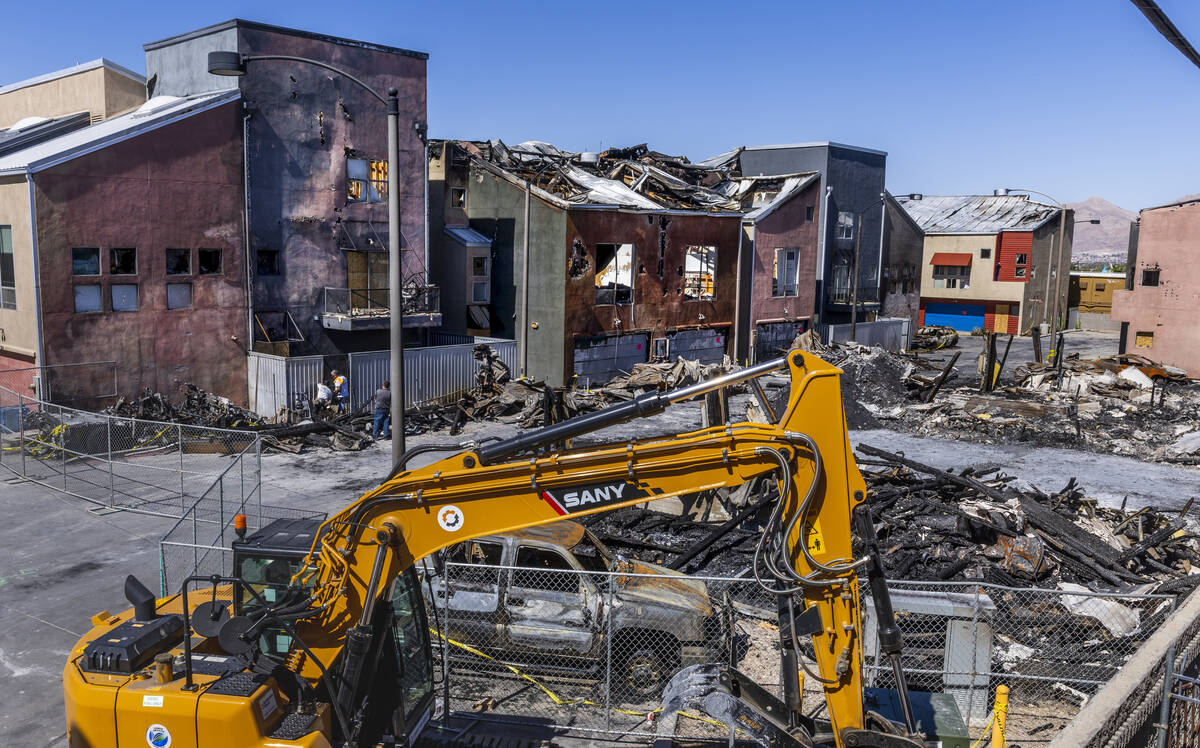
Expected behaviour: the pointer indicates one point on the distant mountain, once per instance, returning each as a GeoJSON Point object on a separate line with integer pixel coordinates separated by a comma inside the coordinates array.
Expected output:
{"type": "Point", "coordinates": [1107, 241]}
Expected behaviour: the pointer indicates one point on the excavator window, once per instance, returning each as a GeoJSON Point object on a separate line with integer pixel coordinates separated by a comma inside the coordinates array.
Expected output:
{"type": "Point", "coordinates": [412, 646]}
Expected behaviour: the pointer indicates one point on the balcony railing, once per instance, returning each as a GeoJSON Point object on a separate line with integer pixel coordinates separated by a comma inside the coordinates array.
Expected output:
{"type": "Point", "coordinates": [358, 308]}
{"type": "Point", "coordinates": [844, 296]}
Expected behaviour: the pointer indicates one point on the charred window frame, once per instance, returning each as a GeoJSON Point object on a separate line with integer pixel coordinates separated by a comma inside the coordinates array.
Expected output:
{"type": "Point", "coordinates": [267, 261]}
{"type": "Point", "coordinates": [1021, 269]}
{"type": "Point", "coordinates": [122, 261]}
{"type": "Point", "coordinates": [209, 261]}
{"type": "Point", "coordinates": [366, 180]}
{"type": "Point", "coordinates": [85, 261]}
{"type": "Point", "coordinates": [845, 225]}
{"type": "Point", "coordinates": [482, 554]}
{"type": "Point", "coordinates": [1150, 276]}
{"type": "Point", "coordinates": [179, 261]}
{"type": "Point", "coordinates": [544, 569]}
{"type": "Point", "coordinates": [699, 273]}
{"type": "Point", "coordinates": [8, 280]}
{"type": "Point", "coordinates": [614, 274]}
{"type": "Point", "coordinates": [785, 277]}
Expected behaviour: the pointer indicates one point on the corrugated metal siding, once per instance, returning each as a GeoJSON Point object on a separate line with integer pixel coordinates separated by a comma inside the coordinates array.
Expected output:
{"type": "Point", "coordinates": [600, 358]}
{"type": "Point", "coordinates": [706, 346]}
{"type": "Point", "coordinates": [430, 374]}
{"type": "Point", "coordinates": [1010, 244]}
{"type": "Point", "coordinates": [275, 381]}
{"type": "Point", "coordinates": [893, 333]}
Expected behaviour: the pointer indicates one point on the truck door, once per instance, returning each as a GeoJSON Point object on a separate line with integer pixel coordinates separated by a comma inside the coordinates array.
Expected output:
{"type": "Point", "coordinates": [474, 592]}
{"type": "Point", "coordinates": [550, 606]}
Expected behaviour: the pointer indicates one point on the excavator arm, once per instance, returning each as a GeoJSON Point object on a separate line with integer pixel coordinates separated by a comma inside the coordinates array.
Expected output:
{"type": "Point", "coordinates": [497, 489]}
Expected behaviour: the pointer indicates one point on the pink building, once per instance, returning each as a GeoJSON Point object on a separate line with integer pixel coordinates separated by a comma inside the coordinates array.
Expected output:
{"type": "Point", "coordinates": [1158, 312]}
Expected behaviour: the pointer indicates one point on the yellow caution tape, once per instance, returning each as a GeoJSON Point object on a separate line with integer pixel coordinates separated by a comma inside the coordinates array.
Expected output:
{"type": "Point", "coordinates": [560, 700]}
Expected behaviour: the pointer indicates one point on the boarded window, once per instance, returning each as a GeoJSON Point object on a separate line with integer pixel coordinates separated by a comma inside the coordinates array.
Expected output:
{"type": "Point", "coordinates": [8, 280]}
{"type": "Point", "coordinates": [209, 261]}
{"type": "Point", "coordinates": [87, 299]}
{"type": "Point", "coordinates": [1144, 340]}
{"type": "Point", "coordinates": [179, 262]}
{"type": "Point", "coordinates": [785, 277]}
{"type": "Point", "coordinates": [614, 273]}
{"type": "Point", "coordinates": [85, 261]}
{"type": "Point", "coordinates": [124, 297]}
{"type": "Point", "coordinates": [122, 261]}
{"type": "Point", "coordinates": [1150, 277]}
{"type": "Point", "coordinates": [366, 180]}
{"type": "Point", "coordinates": [699, 273]}
{"type": "Point", "coordinates": [268, 261]}
{"type": "Point", "coordinates": [179, 296]}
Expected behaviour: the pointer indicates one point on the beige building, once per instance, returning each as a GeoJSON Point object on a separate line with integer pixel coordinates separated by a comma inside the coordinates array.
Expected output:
{"type": "Point", "coordinates": [990, 262]}
{"type": "Point", "coordinates": [101, 88]}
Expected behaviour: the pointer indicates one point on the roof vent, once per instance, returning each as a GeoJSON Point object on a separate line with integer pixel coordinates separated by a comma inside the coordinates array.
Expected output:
{"type": "Point", "coordinates": [27, 122]}
{"type": "Point", "coordinates": [588, 157]}
{"type": "Point", "coordinates": [156, 104]}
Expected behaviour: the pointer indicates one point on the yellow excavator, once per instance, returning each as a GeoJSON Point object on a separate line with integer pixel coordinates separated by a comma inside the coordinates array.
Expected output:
{"type": "Point", "coordinates": [329, 645]}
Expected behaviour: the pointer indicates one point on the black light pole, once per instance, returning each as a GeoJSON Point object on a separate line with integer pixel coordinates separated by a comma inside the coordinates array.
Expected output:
{"type": "Point", "coordinates": [234, 64]}
{"type": "Point", "coordinates": [1050, 314]}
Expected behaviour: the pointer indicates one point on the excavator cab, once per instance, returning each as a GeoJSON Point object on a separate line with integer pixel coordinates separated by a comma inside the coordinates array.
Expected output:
{"type": "Point", "coordinates": [266, 562]}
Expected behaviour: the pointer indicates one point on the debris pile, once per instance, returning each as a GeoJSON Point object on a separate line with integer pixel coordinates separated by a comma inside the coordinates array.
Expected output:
{"type": "Point", "coordinates": [975, 525]}
{"type": "Point", "coordinates": [199, 408]}
{"type": "Point", "coordinates": [529, 403]}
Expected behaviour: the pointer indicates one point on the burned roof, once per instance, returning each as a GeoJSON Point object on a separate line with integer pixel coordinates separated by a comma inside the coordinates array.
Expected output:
{"type": "Point", "coordinates": [634, 178]}
{"type": "Point", "coordinates": [976, 214]}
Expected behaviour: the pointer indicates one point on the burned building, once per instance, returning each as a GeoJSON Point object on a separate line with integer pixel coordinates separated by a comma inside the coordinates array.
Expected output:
{"type": "Point", "coordinates": [900, 280]}
{"type": "Point", "coordinates": [314, 156]}
{"type": "Point", "coordinates": [595, 262]}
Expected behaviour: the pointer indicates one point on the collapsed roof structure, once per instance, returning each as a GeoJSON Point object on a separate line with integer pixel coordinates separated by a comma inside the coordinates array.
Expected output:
{"type": "Point", "coordinates": [635, 178]}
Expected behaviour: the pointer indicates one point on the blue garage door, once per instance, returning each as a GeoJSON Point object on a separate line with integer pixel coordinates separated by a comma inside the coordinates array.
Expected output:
{"type": "Point", "coordinates": [965, 317]}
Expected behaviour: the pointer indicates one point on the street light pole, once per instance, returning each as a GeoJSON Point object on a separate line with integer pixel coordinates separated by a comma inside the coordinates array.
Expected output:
{"type": "Point", "coordinates": [234, 64]}
{"type": "Point", "coordinates": [395, 291]}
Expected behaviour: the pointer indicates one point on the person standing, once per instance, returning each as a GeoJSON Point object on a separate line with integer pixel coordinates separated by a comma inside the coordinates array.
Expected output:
{"type": "Point", "coordinates": [341, 391]}
{"type": "Point", "coordinates": [383, 411]}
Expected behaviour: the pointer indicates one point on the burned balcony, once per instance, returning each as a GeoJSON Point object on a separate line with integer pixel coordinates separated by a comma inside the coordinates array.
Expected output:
{"type": "Point", "coordinates": [367, 309]}
{"type": "Point", "coordinates": [841, 298]}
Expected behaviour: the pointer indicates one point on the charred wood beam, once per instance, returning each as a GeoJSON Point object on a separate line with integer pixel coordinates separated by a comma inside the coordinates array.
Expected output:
{"type": "Point", "coordinates": [937, 384]}
{"type": "Point", "coordinates": [957, 480]}
{"type": "Point", "coordinates": [720, 532]}
{"type": "Point", "coordinates": [1151, 540]}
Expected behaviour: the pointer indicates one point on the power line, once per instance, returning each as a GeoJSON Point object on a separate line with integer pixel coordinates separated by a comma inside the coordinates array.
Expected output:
{"type": "Point", "coordinates": [1160, 21]}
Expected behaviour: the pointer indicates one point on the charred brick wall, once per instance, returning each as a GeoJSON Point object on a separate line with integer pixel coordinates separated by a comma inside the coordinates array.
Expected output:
{"type": "Point", "coordinates": [305, 124]}
{"type": "Point", "coordinates": [660, 244]}
{"type": "Point", "coordinates": [179, 186]}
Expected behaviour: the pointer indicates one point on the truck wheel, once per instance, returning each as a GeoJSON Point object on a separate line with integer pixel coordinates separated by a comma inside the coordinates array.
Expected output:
{"type": "Point", "coordinates": [641, 670]}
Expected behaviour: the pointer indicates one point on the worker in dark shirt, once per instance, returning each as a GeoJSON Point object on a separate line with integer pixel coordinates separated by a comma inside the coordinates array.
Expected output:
{"type": "Point", "coordinates": [383, 411]}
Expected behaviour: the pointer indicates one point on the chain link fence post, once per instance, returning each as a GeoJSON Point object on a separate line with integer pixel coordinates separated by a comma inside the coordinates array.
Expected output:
{"type": "Point", "coordinates": [21, 430]}
{"type": "Point", "coordinates": [179, 442]}
{"type": "Point", "coordinates": [446, 644]}
{"type": "Point", "coordinates": [112, 493]}
{"type": "Point", "coordinates": [608, 664]}
{"type": "Point", "coordinates": [62, 446]}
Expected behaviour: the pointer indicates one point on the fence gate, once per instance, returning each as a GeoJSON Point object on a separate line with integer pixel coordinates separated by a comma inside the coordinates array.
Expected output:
{"type": "Point", "coordinates": [1180, 727]}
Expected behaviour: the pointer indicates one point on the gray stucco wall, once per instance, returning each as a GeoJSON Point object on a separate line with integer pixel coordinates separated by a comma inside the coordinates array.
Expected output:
{"type": "Point", "coordinates": [171, 69]}
{"type": "Point", "coordinates": [496, 209]}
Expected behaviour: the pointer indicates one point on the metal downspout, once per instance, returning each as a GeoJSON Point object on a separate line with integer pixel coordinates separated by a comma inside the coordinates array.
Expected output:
{"type": "Point", "coordinates": [822, 237]}
{"type": "Point", "coordinates": [879, 262]}
{"type": "Point", "coordinates": [523, 334]}
{"type": "Point", "coordinates": [247, 252]}
{"type": "Point", "coordinates": [37, 288]}
{"type": "Point", "coordinates": [426, 142]}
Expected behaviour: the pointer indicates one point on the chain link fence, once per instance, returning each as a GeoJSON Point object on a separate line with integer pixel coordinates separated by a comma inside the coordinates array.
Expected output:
{"type": "Point", "coordinates": [124, 463]}
{"type": "Point", "coordinates": [590, 651]}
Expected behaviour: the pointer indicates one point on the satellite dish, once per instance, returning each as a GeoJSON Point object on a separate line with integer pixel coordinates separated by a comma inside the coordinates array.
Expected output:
{"type": "Point", "coordinates": [230, 635]}
{"type": "Point", "coordinates": [208, 618]}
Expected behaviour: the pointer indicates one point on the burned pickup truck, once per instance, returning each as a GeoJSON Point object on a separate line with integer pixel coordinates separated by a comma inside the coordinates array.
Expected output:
{"type": "Point", "coordinates": [543, 599]}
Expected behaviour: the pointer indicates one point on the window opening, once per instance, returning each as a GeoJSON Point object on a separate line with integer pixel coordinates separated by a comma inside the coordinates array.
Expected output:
{"type": "Point", "coordinates": [614, 273]}
{"type": "Point", "coordinates": [209, 261]}
{"type": "Point", "coordinates": [85, 261]}
{"type": "Point", "coordinates": [700, 273]}
{"type": "Point", "coordinates": [785, 277]}
{"type": "Point", "coordinates": [122, 261]}
{"type": "Point", "coordinates": [179, 262]}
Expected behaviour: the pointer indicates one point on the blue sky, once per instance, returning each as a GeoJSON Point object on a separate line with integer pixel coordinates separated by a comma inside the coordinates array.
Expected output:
{"type": "Point", "coordinates": [1072, 97]}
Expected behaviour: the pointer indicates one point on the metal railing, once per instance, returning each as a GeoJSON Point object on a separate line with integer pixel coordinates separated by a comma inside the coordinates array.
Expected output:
{"type": "Point", "coordinates": [844, 295]}
{"type": "Point", "coordinates": [373, 302]}
{"type": "Point", "coordinates": [122, 463]}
